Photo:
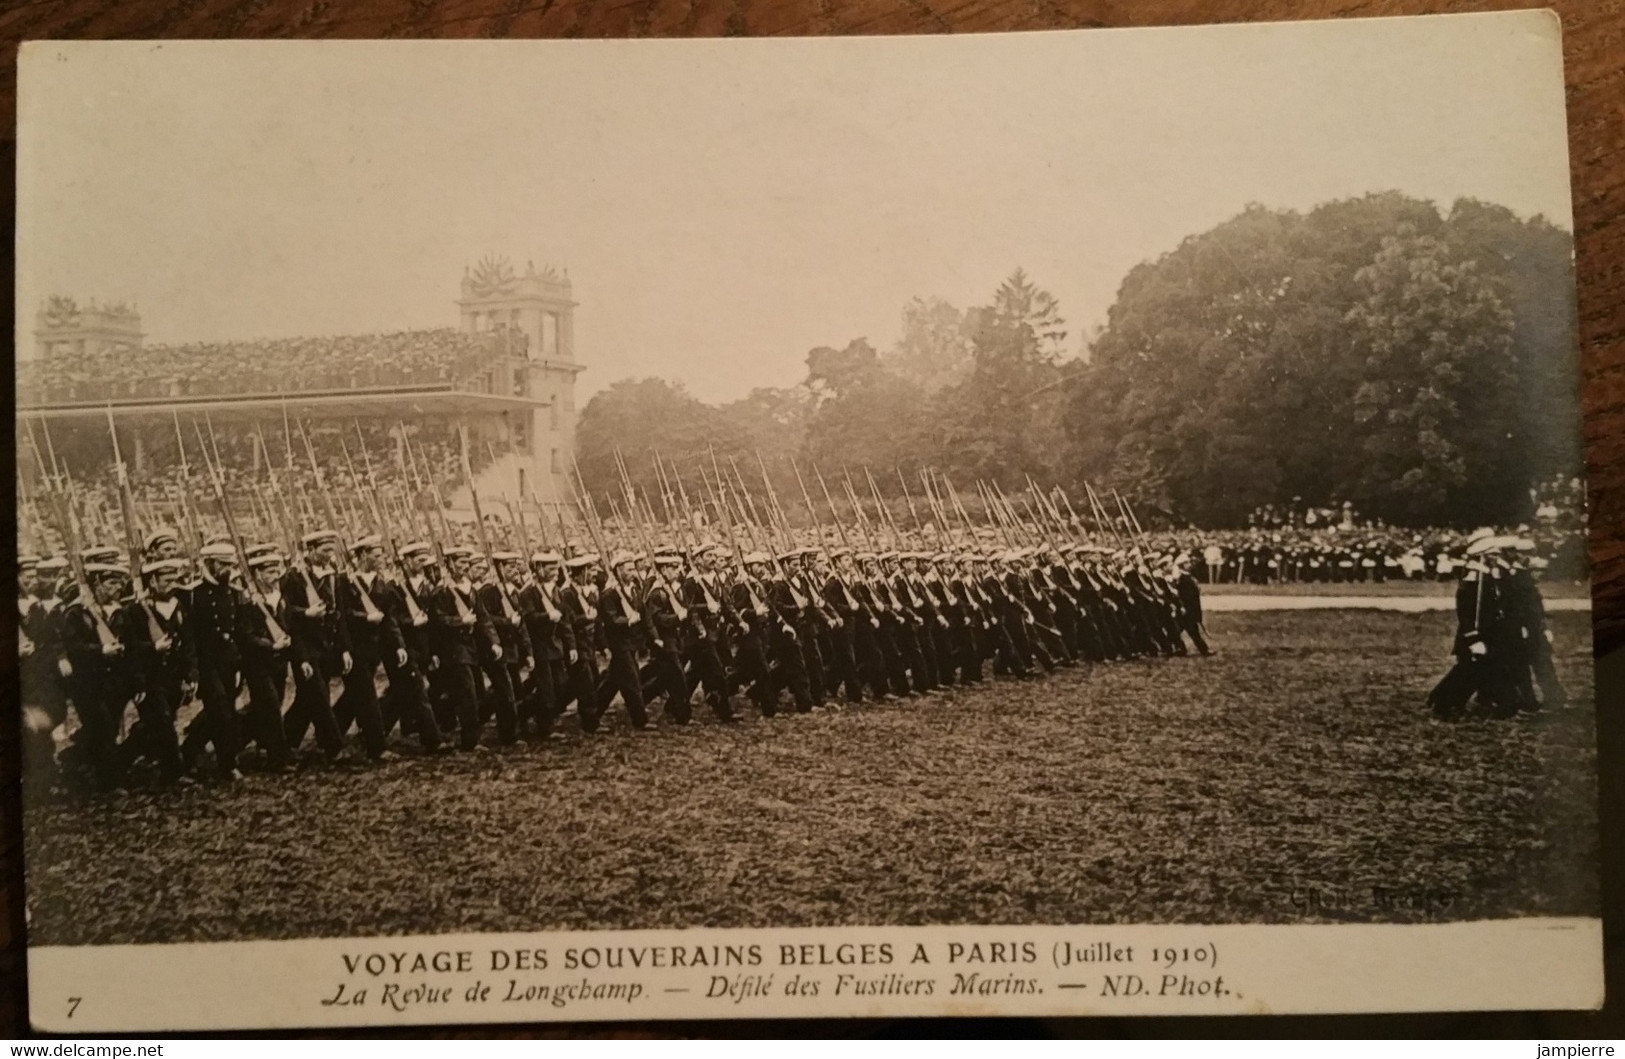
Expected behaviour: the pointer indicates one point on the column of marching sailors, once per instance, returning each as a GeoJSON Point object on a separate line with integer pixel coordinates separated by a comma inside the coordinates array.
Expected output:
{"type": "Point", "coordinates": [464, 641]}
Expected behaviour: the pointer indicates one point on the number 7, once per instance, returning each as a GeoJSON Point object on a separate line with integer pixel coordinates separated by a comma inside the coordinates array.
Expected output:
{"type": "Point", "coordinates": [73, 1004]}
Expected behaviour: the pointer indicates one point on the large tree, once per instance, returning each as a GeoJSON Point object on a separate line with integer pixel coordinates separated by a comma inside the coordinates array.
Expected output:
{"type": "Point", "coordinates": [1370, 350]}
{"type": "Point", "coordinates": [641, 417]}
{"type": "Point", "coordinates": [934, 348]}
{"type": "Point", "coordinates": [1001, 421]}
{"type": "Point", "coordinates": [862, 413]}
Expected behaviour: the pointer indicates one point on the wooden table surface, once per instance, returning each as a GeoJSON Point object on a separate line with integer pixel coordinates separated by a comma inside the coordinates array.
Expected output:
{"type": "Point", "coordinates": [1594, 49]}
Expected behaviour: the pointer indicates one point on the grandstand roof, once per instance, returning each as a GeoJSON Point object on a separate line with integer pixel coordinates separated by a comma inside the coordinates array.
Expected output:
{"type": "Point", "coordinates": [327, 370]}
{"type": "Point", "coordinates": [365, 404]}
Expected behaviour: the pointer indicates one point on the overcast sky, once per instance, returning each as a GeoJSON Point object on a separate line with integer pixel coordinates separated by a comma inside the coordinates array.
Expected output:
{"type": "Point", "coordinates": [725, 206]}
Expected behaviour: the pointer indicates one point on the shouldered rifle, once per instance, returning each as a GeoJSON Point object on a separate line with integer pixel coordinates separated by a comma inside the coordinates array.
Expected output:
{"type": "Point", "coordinates": [1077, 523]}
{"type": "Point", "coordinates": [558, 512]}
{"type": "Point", "coordinates": [126, 501]}
{"type": "Point", "coordinates": [858, 515]}
{"type": "Point", "coordinates": [959, 507]}
{"type": "Point", "coordinates": [1101, 518]}
{"type": "Point", "coordinates": [719, 504]}
{"type": "Point", "coordinates": [919, 527]}
{"type": "Point", "coordinates": [934, 502]}
{"type": "Point", "coordinates": [541, 522]}
{"type": "Point", "coordinates": [63, 513]}
{"type": "Point", "coordinates": [719, 501]}
{"type": "Point", "coordinates": [687, 537]}
{"type": "Point", "coordinates": [376, 497]}
{"type": "Point", "coordinates": [509, 612]}
{"type": "Point", "coordinates": [374, 518]}
{"type": "Point", "coordinates": [589, 515]}
{"type": "Point", "coordinates": [409, 463]}
{"type": "Point", "coordinates": [465, 616]}
{"type": "Point", "coordinates": [897, 541]}
{"type": "Point", "coordinates": [817, 523]}
{"type": "Point", "coordinates": [193, 530]}
{"type": "Point", "coordinates": [1129, 524]}
{"type": "Point", "coordinates": [780, 518]}
{"type": "Point", "coordinates": [279, 637]}
{"type": "Point", "coordinates": [368, 608]}
{"type": "Point", "coordinates": [773, 546]}
{"type": "Point", "coordinates": [292, 528]}
{"type": "Point", "coordinates": [835, 516]}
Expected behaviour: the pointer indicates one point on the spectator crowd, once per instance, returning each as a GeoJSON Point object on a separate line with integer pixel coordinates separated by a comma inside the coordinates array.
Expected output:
{"type": "Point", "coordinates": [438, 357]}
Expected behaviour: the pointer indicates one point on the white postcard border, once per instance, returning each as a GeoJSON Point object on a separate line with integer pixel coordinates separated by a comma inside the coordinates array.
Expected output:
{"type": "Point", "coordinates": [1528, 964]}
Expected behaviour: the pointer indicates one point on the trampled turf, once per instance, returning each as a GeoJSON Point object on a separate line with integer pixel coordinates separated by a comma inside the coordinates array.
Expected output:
{"type": "Point", "coordinates": [1293, 777]}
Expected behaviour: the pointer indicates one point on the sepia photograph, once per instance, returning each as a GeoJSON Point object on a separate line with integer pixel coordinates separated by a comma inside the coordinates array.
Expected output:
{"type": "Point", "coordinates": [554, 489]}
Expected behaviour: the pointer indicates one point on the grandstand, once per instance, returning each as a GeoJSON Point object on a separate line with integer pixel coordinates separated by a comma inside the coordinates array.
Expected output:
{"type": "Point", "coordinates": [507, 372]}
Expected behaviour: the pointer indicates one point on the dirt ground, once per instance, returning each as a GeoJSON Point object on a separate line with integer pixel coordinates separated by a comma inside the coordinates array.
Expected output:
{"type": "Point", "coordinates": [1292, 777]}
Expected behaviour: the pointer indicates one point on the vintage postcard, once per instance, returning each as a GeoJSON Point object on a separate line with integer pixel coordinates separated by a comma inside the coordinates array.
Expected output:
{"type": "Point", "coordinates": [1056, 523]}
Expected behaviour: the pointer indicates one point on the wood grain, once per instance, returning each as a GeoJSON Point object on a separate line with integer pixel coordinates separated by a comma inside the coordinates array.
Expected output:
{"type": "Point", "coordinates": [1594, 43]}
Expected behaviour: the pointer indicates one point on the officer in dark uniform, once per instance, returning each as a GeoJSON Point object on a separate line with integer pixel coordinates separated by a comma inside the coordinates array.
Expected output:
{"type": "Point", "coordinates": [913, 637]}
{"type": "Point", "coordinates": [620, 625]}
{"type": "Point", "coordinates": [374, 639]}
{"type": "Point", "coordinates": [1477, 605]}
{"type": "Point", "coordinates": [162, 654]}
{"type": "Point", "coordinates": [1190, 605]}
{"type": "Point", "coordinates": [711, 615]}
{"type": "Point", "coordinates": [464, 634]}
{"type": "Point", "coordinates": [103, 679]}
{"type": "Point", "coordinates": [578, 598]}
{"type": "Point", "coordinates": [41, 662]}
{"type": "Point", "coordinates": [786, 603]}
{"type": "Point", "coordinates": [874, 591]}
{"type": "Point", "coordinates": [406, 602]}
{"type": "Point", "coordinates": [321, 648]}
{"type": "Point", "coordinates": [420, 567]}
{"type": "Point", "coordinates": [756, 629]}
{"type": "Point", "coordinates": [214, 618]}
{"type": "Point", "coordinates": [1526, 604]}
{"type": "Point", "coordinates": [669, 631]}
{"type": "Point", "coordinates": [844, 617]}
{"type": "Point", "coordinates": [552, 639]}
{"type": "Point", "coordinates": [500, 668]}
{"type": "Point", "coordinates": [267, 650]}
{"type": "Point", "coordinates": [863, 622]}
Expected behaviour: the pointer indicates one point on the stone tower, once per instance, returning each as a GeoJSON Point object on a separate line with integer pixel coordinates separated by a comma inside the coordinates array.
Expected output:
{"type": "Point", "coordinates": [538, 306]}
{"type": "Point", "coordinates": [62, 327]}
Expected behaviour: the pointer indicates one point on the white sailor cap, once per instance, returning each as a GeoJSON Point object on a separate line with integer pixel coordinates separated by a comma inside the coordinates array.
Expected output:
{"type": "Point", "coordinates": [159, 536]}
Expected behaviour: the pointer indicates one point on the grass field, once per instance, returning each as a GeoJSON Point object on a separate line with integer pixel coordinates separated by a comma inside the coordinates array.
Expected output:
{"type": "Point", "coordinates": [1292, 777]}
{"type": "Point", "coordinates": [1441, 589]}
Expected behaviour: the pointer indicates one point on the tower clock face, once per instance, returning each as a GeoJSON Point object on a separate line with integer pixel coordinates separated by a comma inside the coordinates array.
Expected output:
{"type": "Point", "coordinates": [493, 276]}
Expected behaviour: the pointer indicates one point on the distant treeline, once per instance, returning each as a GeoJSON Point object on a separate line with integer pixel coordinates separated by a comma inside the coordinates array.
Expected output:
{"type": "Point", "coordinates": [1421, 365]}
